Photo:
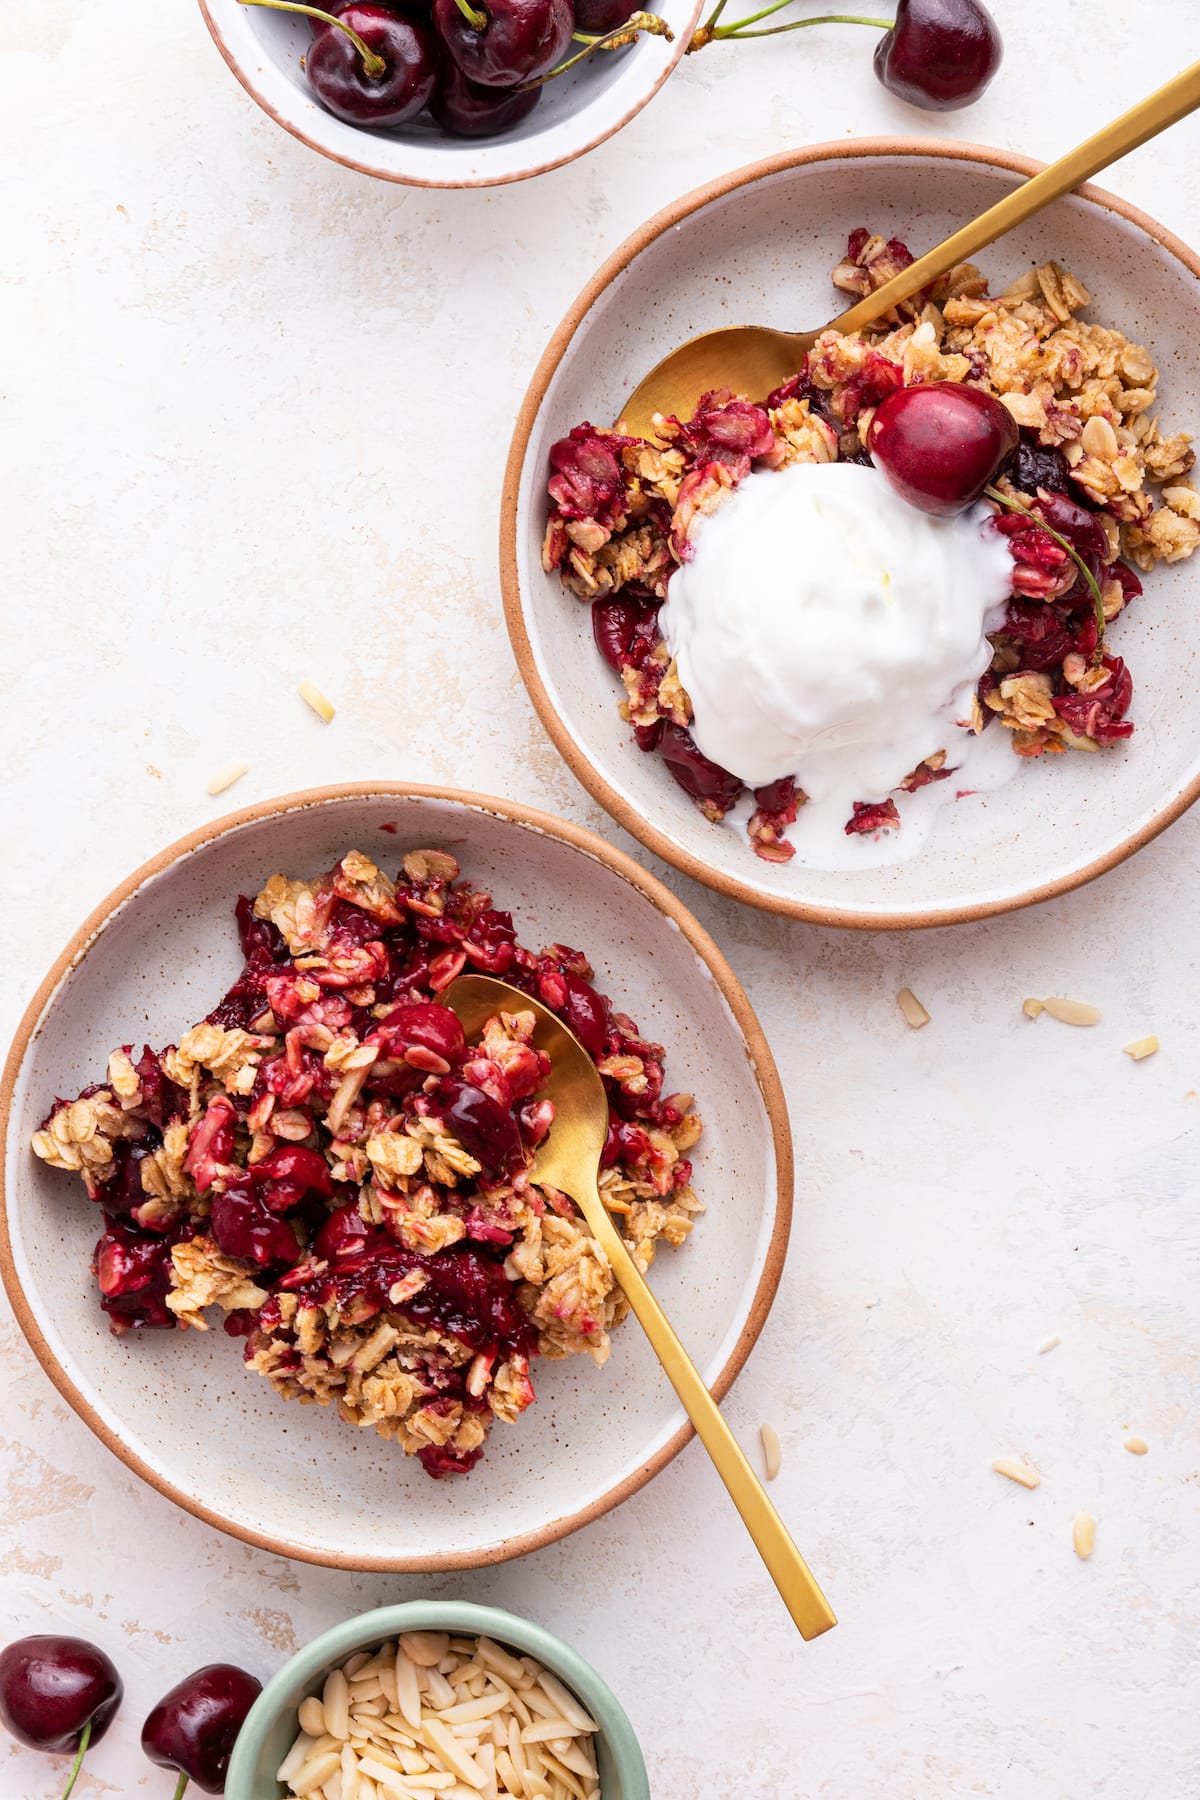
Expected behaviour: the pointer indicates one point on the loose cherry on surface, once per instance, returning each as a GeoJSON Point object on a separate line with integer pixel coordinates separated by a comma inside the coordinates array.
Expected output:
{"type": "Point", "coordinates": [193, 1728]}
{"type": "Point", "coordinates": [509, 42]}
{"type": "Point", "coordinates": [466, 109]}
{"type": "Point", "coordinates": [356, 90]}
{"type": "Point", "coordinates": [939, 444]}
{"type": "Point", "coordinates": [58, 1694]}
{"type": "Point", "coordinates": [939, 54]}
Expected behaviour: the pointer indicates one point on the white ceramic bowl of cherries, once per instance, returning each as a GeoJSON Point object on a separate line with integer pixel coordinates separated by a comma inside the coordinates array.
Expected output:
{"type": "Point", "coordinates": [470, 93]}
{"type": "Point", "coordinates": [449, 93]}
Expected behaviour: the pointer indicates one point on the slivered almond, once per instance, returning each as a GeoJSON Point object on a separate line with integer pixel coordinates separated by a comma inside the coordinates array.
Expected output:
{"type": "Point", "coordinates": [568, 1706]}
{"type": "Point", "coordinates": [425, 1648]}
{"type": "Point", "coordinates": [408, 1692]}
{"type": "Point", "coordinates": [1050, 1343]}
{"type": "Point", "coordinates": [1033, 1009]}
{"type": "Point", "coordinates": [452, 1753]}
{"type": "Point", "coordinates": [1072, 1012]}
{"type": "Point", "coordinates": [335, 1705]}
{"type": "Point", "coordinates": [225, 778]}
{"type": "Point", "coordinates": [312, 1717]}
{"type": "Point", "coordinates": [468, 1710]}
{"type": "Point", "coordinates": [312, 696]}
{"type": "Point", "coordinates": [914, 1013]}
{"type": "Point", "coordinates": [772, 1455]}
{"type": "Point", "coordinates": [1141, 1047]}
{"type": "Point", "coordinates": [1012, 1470]}
{"type": "Point", "coordinates": [1083, 1534]}
{"type": "Point", "coordinates": [494, 1656]}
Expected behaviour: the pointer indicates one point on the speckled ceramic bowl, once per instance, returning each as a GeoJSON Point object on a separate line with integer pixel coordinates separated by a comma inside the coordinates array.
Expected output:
{"type": "Point", "coordinates": [270, 1729]}
{"type": "Point", "coordinates": [576, 112]}
{"type": "Point", "coordinates": [757, 247]}
{"type": "Point", "coordinates": [179, 1408]}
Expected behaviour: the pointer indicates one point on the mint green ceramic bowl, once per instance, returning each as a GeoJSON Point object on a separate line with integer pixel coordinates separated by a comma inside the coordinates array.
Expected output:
{"type": "Point", "coordinates": [271, 1727]}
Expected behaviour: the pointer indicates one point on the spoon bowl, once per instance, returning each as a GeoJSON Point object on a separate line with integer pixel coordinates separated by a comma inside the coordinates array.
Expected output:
{"type": "Point", "coordinates": [580, 1103]}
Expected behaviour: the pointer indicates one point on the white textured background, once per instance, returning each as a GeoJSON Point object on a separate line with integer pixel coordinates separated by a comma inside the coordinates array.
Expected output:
{"type": "Point", "coordinates": [254, 414]}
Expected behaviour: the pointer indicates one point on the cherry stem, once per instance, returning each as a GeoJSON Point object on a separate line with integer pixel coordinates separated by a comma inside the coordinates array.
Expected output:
{"type": "Point", "coordinates": [475, 19]}
{"type": "Point", "coordinates": [709, 31]}
{"type": "Point", "coordinates": [1064, 544]}
{"type": "Point", "coordinates": [373, 66]}
{"type": "Point", "coordinates": [180, 1787]}
{"type": "Point", "coordinates": [85, 1738]}
{"type": "Point", "coordinates": [612, 40]}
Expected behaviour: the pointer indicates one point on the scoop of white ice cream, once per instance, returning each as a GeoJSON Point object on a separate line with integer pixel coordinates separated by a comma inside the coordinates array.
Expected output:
{"type": "Point", "coordinates": [826, 629]}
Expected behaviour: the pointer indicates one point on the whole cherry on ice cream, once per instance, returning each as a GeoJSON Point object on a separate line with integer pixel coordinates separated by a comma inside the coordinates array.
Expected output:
{"type": "Point", "coordinates": [58, 1694]}
{"type": "Point", "coordinates": [939, 54]}
{"type": "Point", "coordinates": [939, 444]}
{"type": "Point", "coordinates": [194, 1727]}
{"type": "Point", "coordinates": [506, 42]}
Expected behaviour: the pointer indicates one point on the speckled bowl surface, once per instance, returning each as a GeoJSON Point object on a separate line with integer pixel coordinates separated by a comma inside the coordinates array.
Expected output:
{"type": "Point", "coordinates": [756, 247]}
{"type": "Point", "coordinates": [577, 111]}
{"type": "Point", "coordinates": [179, 1407]}
{"type": "Point", "coordinates": [270, 1729]}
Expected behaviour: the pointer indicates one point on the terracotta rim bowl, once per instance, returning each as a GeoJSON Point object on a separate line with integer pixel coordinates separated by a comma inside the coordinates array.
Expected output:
{"type": "Point", "coordinates": [653, 273]}
{"type": "Point", "coordinates": [161, 941]}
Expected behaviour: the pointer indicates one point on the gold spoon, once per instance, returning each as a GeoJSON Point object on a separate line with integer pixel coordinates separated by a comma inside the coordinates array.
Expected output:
{"type": "Point", "coordinates": [569, 1160]}
{"type": "Point", "coordinates": [753, 359]}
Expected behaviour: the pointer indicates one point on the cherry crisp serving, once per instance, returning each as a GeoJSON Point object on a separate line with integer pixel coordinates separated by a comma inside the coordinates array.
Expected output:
{"type": "Point", "coordinates": [327, 1160]}
{"type": "Point", "coordinates": [623, 510]}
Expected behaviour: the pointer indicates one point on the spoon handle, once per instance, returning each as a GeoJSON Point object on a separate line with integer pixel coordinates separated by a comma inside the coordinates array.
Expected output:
{"type": "Point", "coordinates": [1164, 107]}
{"type": "Point", "coordinates": [797, 1585]}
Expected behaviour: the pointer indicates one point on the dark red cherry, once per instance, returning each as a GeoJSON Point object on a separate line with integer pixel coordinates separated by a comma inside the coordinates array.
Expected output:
{"type": "Point", "coordinates": [598, 16]}
{"type": "Point", "coordinates": [193, 1728]}
{"type": "Point", "coordinates": [344, 83]}
{"type": "Point", "coordinates": [465, 109]}
{"type": "Point", "coordinates": [245, 1227]}
{"type": "Point", "coordinates": [336, 9]}
{"type": "Point", "coordinates": [1033, 466]}
{"type": "Point", "coordinates": [940, 54]}
{"type": "Point", "coordinates": [290, 1171]}
{"type": "Point", "coordinates": [1080, 527]}
{"type": "Point", "coordinates": [420, 1026]}
{"type": "Point", "coordinates": [585, 1013]}
{"type": "Point", "coordinates": [123, 1191]}
{"type": "Point", "coordinates": [939, 444]}
{"type": "Point", "coordinates": [484, 1128]}
{"type": "Point", "coordinates": [341, 1234]}
{"type": "Point", "coordinates": [625, 630]}
{"type": "Point", "coordinates": [705, 780]}
{"type": "Point", "coordinates": [52, 1688]}
{"type": "Point", "coordinates": [518, 38]}
{"type": "Point", "coordinates": [133, 1273]}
